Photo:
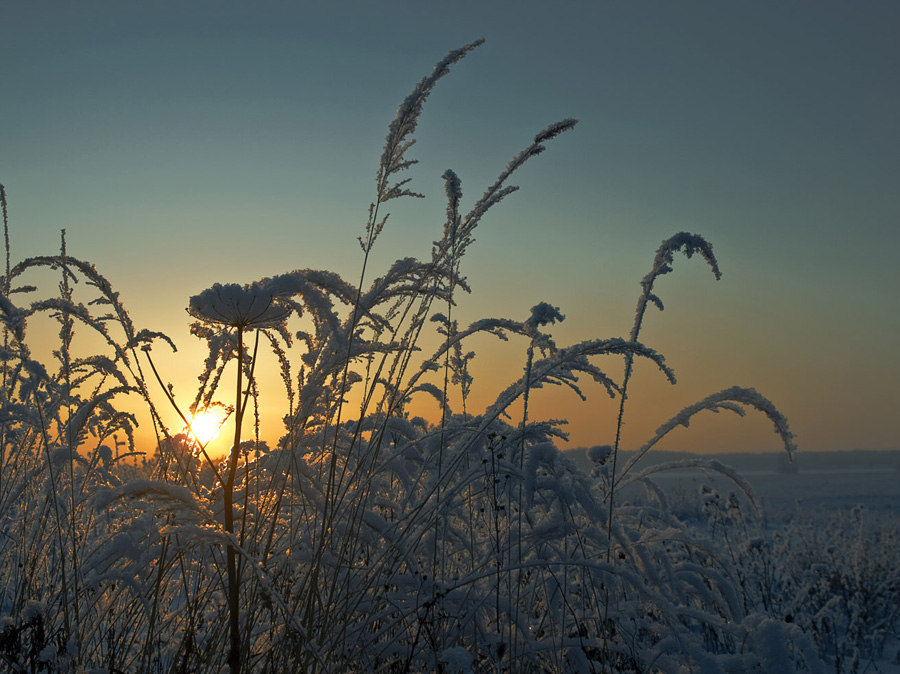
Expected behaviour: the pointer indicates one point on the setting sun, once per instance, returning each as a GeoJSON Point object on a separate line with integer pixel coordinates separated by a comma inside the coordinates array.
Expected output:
{"type": "Point", "coordinates": [206, 423]}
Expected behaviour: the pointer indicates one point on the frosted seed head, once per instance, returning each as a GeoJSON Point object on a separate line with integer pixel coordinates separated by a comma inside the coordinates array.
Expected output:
{"type": "Point", "coordinates": [544, 314]}
{"type": "Point", "coordinates": [555, 129]}
{"type": "Point", "coordinates": [233, 305]}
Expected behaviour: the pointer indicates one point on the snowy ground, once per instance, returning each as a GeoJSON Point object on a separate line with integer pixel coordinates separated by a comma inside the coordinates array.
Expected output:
{"type": "Point", "coordinates": [782, 496]}
{"type": "Point", "coordinates": [822, 481]}
{"type": "Point", "coordinates": [812, 495]}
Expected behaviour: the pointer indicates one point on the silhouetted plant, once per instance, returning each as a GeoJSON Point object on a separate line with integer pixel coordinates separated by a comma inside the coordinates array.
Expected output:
{"type": "Point", "coordinates": [367, 539]}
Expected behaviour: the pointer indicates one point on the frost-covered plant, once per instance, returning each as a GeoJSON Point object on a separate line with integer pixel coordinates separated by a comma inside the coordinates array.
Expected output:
{"type": "Point", "coordinates": [836, 577]}
{"type": "Point", "coordinates": [61, 439]}
{"type": "Point", "coordinates": [251, 307]}
{"type": "Point", "coordinates": [366, 539]}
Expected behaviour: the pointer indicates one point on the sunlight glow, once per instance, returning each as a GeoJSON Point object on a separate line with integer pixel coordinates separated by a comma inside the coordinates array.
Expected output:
{"type": "Point", "coordinates": [207, 423]}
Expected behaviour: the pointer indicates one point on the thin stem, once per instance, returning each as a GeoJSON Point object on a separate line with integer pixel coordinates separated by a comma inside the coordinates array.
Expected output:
{"type": "Point", "coordinates": [332, 469]}
{"type": "Point", "coordinates": [250, 387]}
{"type": "Point", "coordinates": [6, 287]}
{"type": "Point", "coordinates": [629, 367]}
{"type": "Point", "coordinates": [66, 336]}
{"type": "Point", "coordinates": [521, 478]}
{"type": "Point", "coordinates": [59, 527]}
{"type": "Point", "coordinates": [200, 445]}
{"type": "Point", "coordinates": [234, 653]}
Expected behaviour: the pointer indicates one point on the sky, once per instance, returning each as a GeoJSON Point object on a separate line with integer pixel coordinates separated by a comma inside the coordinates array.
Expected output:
{"type": "Point", "coordinates": [182, 144]}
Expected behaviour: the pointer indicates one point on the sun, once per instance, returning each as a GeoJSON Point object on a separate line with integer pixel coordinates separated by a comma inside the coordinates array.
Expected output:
{"type": "Point", "coordinates": [206, 424]}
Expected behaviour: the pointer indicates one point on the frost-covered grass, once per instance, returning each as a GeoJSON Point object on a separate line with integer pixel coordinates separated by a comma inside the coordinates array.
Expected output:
{"type": "Point", "coordinates": [818, 562]}
{"type": "Point", "coordinates": [366, 539]}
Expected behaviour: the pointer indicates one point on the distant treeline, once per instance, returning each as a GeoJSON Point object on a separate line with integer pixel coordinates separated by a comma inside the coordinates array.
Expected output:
{"type": "Point", "coordinates": [855, 459]}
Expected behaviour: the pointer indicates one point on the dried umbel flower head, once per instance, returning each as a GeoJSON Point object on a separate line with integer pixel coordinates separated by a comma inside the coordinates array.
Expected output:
{"type": "Point", "coordinates": [249, 306]}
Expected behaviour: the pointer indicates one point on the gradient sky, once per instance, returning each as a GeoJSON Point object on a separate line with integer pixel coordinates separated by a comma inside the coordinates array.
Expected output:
{"type": "Point", "coordinates": [186, 143]}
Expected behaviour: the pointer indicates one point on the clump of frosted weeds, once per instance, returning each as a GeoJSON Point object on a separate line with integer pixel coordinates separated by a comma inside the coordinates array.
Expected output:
{"type": "Point", "coordinates": [367, 539]}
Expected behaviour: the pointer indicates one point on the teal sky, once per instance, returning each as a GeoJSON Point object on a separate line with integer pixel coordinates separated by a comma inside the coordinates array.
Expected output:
{"type": "Point", "coordinates": [186, 143]}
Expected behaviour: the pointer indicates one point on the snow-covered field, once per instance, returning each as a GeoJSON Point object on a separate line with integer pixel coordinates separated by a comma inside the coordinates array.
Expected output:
{"type": "Point", "coordinates": [816, 482]}
{"type": "Point", "coordinates": [782, 496]}
{"type": "Point", "coordinates": [833, 538]}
